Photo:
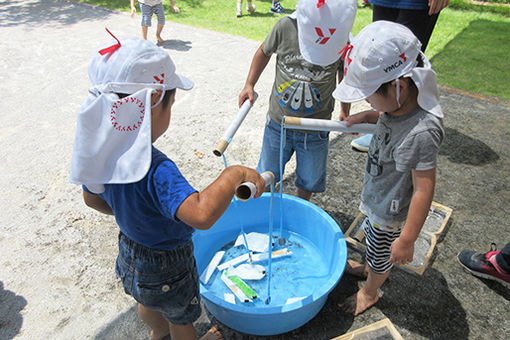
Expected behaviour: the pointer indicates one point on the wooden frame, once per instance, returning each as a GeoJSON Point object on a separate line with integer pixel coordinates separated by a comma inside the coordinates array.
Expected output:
{"type": "Point", "coordinates": [356, 239]}
{"type": "Point", "coordinates": [385, 323]}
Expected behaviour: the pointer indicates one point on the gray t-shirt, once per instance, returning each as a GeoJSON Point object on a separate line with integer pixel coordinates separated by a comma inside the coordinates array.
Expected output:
{"type": "Point", "coordinates": [400, 144]}
{"type": "Point", "coordinates": [300, 89]}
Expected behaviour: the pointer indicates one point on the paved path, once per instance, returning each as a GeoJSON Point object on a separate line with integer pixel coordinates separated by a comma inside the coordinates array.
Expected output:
{"type": "Point", "coordinates": [57, 256]}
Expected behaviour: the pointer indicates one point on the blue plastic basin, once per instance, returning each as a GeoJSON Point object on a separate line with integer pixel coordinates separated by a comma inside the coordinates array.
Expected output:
{"type": "Point", "coordinates": [300, 217]}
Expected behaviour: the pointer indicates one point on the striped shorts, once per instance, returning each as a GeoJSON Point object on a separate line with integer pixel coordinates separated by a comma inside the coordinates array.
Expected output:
{"type": "Point", "coordinates": [378, 250]}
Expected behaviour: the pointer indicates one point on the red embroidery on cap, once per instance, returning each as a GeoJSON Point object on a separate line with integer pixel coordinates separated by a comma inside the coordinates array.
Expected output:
{"type": "Point", "coordinates": [112, 48]}
{"type": "Point", "coordinates": [403, 56]}
{"type": "Point", "coordinates": [322, 39]}
{"type": "Point", "coordinates": [114, 114]}
{"type": "Point", "coordinates": [320, 3]}
{"type": "Point", "coordinates": [160, 80]}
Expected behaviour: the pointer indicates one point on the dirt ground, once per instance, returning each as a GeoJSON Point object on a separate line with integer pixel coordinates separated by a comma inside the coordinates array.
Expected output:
{"type": "Point", "coordinates": [57, 277]}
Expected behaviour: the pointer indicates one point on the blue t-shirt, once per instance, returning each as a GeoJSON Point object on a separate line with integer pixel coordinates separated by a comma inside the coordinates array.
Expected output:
{"type": "Point", "coordinates": [145, 210]}
{"type": "Point", "coordinates": [402, 4]}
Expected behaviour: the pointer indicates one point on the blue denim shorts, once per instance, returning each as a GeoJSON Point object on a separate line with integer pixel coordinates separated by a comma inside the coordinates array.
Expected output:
{"type": "Point", "coordinates": [311, 150]}
{"type": "Point", "coordinates": [148, 11]}
{"type": "Point", "coordinates": [161, 280]}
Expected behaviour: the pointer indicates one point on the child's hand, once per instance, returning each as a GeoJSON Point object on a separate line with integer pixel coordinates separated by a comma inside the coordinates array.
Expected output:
{"type": "Point", "coordinates": [343, 115]}
{"type": "Point", "coordinates": [402, 252]}
{"type": "Point", "coordinates": [251, 175]}
{"type": "Point", "coordinates": [435, 6]}
{"type": "Point", "coordinates": [367, 116]}
{"type": "Point", "coordinates": [133, 11]}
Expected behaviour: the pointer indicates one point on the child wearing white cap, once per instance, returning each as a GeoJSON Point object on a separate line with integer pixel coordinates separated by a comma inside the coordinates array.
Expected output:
{"type": "Point", "coordinates": [306, 45]}
{"type": "Point", "coordinates": [385, 67]}
{"type": "Point", "coordinates": [123, 174]}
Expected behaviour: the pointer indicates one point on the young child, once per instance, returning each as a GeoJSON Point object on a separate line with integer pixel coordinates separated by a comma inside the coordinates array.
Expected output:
{"type": "Point", "coordinates": [306, 44]}
{"type": "Point", "coordinates": [276, 8]}
{"type": "Point", "coordinates": [129, 107]}
{"type": "Point", "coordinates": [250, 8]}
{"type": "Point", "coordinates": [384, 66]}
{"type": "Point", "coordinates": [148, 8]}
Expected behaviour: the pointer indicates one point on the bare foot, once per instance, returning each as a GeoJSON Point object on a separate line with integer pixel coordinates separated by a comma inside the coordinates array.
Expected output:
{"type": "Point", "coordinates": [357, 269]}
{"type": "Point", "coordinates": [160, 40]}
{"type": "Point", "coordinates": [212, 334]}
{"type": "Point", "coordinates": [358, 303]}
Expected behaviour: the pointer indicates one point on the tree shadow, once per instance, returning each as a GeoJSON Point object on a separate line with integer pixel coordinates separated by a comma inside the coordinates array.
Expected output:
{"type": "Point", "coordinates": [266, 14]}
{"type": "Point", "coordinates": [424, 305]}
{"type": "Point", "coordinates": [496, 287]}
{"type": "Point", "coordinates": [36, 14]}
{"type": "Point", "coordinates": [11, 319]}
{"type": "Point", "coordinates": [463, 149]}
{"type": "Point", "coordinates": [125, 326]}
{"type": "Point", "coordinates": [128, 325]}
{"type": "Point", "coordinates": [191, 3]}
{"type": "Point", "coordinates": [176, 44]}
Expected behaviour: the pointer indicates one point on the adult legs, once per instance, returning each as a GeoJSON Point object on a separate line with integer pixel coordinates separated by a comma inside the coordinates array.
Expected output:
{"type": "Point", "coordinates": [418, 21]}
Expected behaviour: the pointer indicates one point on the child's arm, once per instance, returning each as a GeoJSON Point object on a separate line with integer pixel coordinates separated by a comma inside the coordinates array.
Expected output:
{"type": "Point", "coordinates": [201, 210]}
{"type": "Point", "coordinates": [175, 9]}
{"type": "Point", "coordinates": [402, 249]}
{"type": "Point", "coordinates": [258, 64]}
{"type": "Point", "coordinates": [133, 8]}
{"type": "Point", "coordinates": [96, 202]}
{"type": "Point", "coordinates": [345, 108]}
{"type": "Point", "coordinates": [368, 116]}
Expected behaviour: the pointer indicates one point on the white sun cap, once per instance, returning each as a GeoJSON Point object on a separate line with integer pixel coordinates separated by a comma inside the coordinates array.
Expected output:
{"type": "Point", "coordinates": [135, 65]}
{"type": "Point", "coordinates": [113, 142]}
{"type": "Point", "coordinates": [323, 28]}
{"type": "Point", "coordinates": [381, 52]}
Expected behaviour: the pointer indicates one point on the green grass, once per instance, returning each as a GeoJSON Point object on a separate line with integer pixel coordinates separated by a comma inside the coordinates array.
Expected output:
{"type": "Point", "coordinates": [468, 48]}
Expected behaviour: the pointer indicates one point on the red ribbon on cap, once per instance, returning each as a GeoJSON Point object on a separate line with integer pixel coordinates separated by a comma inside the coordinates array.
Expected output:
{"type": "Point", "coordinates": [346, 51]}
{"type": "Point", "coordinates": [112, 48]}
{"type": "Point", "coordinates": [320, 3]}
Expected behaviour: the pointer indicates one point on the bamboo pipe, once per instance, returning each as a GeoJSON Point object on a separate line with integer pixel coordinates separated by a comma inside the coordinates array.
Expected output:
{"type": "Point", "coordinates": [247, 190]}
{"type": "Point", "coordinates": [229, 133]}
{"type": "Point", "coordinates": [326, 125]}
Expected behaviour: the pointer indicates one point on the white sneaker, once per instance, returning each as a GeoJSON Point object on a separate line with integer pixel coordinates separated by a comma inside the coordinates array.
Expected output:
{"type": "Point", "coordinates": [239, 13]}
{"type": "Point", "coordinates": [250, 9]}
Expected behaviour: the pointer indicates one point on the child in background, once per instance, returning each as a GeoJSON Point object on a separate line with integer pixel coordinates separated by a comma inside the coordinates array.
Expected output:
{"type": "Point", "coordinates": [385, 67]}
{"type": "Point", "coordinates": [306, 44]}
{"type": "Point", "coordinates": [276, 8]}
{"type": "Point", "coordinates": [148, 8]}
{"type": "Point", "coordinates": [133, 89]}
{"type": "Point", "coordinates": [250, 8]}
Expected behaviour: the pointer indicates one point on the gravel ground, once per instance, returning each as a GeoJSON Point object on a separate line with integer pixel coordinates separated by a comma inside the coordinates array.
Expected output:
{"type": "Point", "coordinates": [57, 257]}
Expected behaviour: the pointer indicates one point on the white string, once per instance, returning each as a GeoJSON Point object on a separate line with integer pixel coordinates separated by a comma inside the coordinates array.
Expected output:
{"type": "Point", "coordinates": [398, 93]}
